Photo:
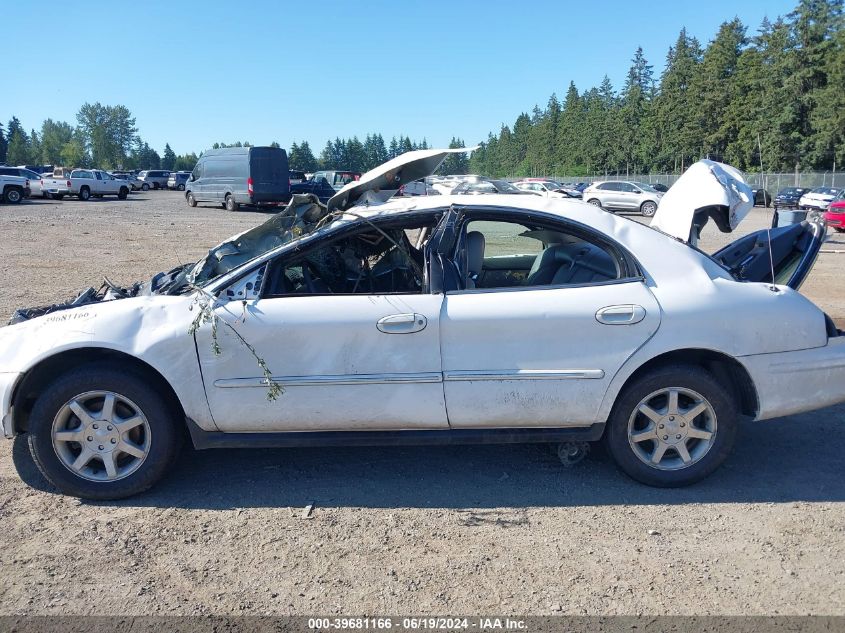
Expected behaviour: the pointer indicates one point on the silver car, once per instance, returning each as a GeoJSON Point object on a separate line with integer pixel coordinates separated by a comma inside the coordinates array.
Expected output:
{"type": "Point", "coordinates": [623, 195]}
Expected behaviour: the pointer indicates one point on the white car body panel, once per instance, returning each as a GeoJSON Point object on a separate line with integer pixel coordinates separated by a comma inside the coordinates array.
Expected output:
{"type": "Point", "coordinates": [520, 357]}
{"type": "Point", "coordinates": [813, 200]}
{"type": "Point", "coordinates": [514, 357]}
{"type": "Point", "coordinates": [339, 371]}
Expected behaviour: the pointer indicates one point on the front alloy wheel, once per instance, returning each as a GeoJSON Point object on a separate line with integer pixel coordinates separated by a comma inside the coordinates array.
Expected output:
{"type": "Point", "coordinates": [104, 431]}
{"type": "Point", "coordinates": [648, 208]}
{"type": "Point", "coordinates": [101, 436]}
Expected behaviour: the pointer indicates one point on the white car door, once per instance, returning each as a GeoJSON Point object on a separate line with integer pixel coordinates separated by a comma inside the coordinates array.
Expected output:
{"type": "Point", "coordinates": [347, 360]}
{"type": "Point", "coordinates": [541, 351]}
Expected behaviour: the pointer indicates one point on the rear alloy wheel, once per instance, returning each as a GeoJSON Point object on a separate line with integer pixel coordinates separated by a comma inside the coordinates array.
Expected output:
{"type": "Point", "coordinates": [672, 427]}
{"type": "Point", "coordinates": [13, 195]}
{"type": "Point", "coordinates": [181, 187]}
{"type": "Point", "coordinates": [648, 208]}
{"type": "Point", "coordinates": [101, 432]}
{"type": "Point", "coordinates": [145, 186]}
{"type": "Point", "coordinates": [123, 193]}
{"type": "Point", "coordinates": [230, 203]}
{"type": "Point", "coordinates": [595, 202]}
{"type": "Point", "coordinates": [84, 193]}
{"type": "Point", "coordinates": [192, 202]}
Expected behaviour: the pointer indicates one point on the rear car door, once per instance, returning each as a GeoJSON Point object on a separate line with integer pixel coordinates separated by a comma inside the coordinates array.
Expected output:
{"type": "Point", "coordinates": [543, 352]}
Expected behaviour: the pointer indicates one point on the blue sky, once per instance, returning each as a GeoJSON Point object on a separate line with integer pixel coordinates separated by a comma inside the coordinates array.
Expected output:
{"type": "Point", "coordinates": [199, 72]}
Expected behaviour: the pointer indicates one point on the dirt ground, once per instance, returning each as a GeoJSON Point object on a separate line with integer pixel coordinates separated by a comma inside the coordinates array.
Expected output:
{"type": "Point", "coordinates": [502, 529]}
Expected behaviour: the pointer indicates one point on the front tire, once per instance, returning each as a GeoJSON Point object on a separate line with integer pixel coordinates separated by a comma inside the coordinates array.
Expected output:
{"type": "Point", "coordinates": [123, 193]}
{"type": "Point", "coordinates": [192, 202]}
{"type": "Point", "coordinates": [181, 187]}
{"type": "Point", "coordinates": [145, 186]}
{"type": "Point", "coordinates": [595, 202]}
{"type": "Point", "coordinates": [648, 208]}
{"type": "Point", "coordinates": [672, 427]}
{"type": "Point", "coordinates": [101, 431]}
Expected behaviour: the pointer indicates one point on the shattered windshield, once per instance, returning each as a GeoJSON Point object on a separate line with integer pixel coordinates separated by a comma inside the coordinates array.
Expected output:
{"type": "Point", "coordinates": [303, 216]}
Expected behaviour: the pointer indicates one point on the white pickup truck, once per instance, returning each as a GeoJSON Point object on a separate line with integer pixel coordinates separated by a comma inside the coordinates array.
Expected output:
{"type": "Point", "coordinates": [85, 183]}
{"type": "Point", "coordinates": [13, 188]}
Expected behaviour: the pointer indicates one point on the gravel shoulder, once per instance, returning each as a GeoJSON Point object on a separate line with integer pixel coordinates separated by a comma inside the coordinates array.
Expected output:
{"type": "Point", "coordinates": [503, 529]}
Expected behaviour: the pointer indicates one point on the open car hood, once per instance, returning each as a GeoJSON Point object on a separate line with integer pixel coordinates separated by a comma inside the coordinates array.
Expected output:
{"type": "Point", "coordinates": [379, 184]}
{"type": "Point", "coordinates": [707, 190]}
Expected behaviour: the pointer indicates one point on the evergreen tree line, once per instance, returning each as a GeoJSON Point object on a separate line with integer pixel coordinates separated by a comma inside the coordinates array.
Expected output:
{"type": "Point", "coordinates": [776, 98]}
{"type": "Point", "coordinates": [104, 136]}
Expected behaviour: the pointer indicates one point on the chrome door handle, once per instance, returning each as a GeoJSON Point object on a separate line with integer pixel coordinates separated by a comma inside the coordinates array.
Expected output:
{"type": "Point", "coordinates": [402, 323]}
{"type": "Point", "coordinates": [621, 315]}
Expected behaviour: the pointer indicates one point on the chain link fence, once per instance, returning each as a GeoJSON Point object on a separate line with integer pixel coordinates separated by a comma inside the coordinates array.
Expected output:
{"type": "Point", "coordinates": [772, 182]}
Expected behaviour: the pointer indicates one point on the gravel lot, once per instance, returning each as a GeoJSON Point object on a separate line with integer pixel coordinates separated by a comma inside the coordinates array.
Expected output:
{"type": "Point", "coordinates": [501, 529]}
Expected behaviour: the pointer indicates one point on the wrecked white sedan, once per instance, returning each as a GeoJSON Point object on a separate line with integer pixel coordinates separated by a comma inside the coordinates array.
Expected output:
{"type": "Point", "coordinates": [434, 320]}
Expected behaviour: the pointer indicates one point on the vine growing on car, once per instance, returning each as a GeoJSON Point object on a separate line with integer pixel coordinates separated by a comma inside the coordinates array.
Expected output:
{"type": "Point", "coordinates": [206, 314]}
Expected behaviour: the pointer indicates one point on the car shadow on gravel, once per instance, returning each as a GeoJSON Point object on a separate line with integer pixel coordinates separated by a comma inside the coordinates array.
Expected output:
{"type": "Point", "coordinates": [798, 458]}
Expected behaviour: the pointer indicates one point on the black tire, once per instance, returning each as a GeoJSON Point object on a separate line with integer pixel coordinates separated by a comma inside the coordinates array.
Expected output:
{"type": "Point", "coordinates": [165, 436]}
{"type": "Point", "coordinates": [84, 193]}
{"type": "Point", "coordinates": [13, 195]}
{"type": "Point", "coordinates": [648, 208]}
{"type": "Point", "coordinates": [839, 229]}
{"type": "Point", "coordinates": [230, 203]}
{"type": "Point", "coordinates": [683, 377]}
{"type": "Point", "coordinates": [181, 187]}
{"type": "Point", "coordinates": [192, 202]}
{"type": "Point", "coordinates": [155, 185]}
{"type": "Point", "coordinates": [595, 202]}
{"type": "Point", "coordinates": [145, 186]}
{"type": "Point", "coordinates": [60, 196]}
{"type": "Point", "coordinates": [123, 193]}
{"type": "Point", "coordinates": [44, 194]}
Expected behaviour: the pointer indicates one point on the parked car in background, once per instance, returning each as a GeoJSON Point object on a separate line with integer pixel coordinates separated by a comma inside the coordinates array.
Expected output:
{"type": "Point", "coordinates": [417, 188]}
{"type": "Point", "coordinates": [547, 188]}
{"type": "Point", "coordinates": [320, 187]}
{"type": "Point", "coordinates": [491, 186]}
{"type": "Point", "coordinates": [38, 169]}
{"type": "Point", "coordinates": [623, 195]}
{"type": "Point", "coordinates": [134, 182]}
{"type": "Point", "coordinates": [57, 184]}
{"type": "Point", "coordinates": [87, 183]}
{"type": "Point", "coordinates": [338, 178]}
{"type": "Point", "coordinates": [13, 189]}
{"type": "Point", "coordinates": [295, 176]}
{"type": "Point", "coordinates": [33, 177]}
{"type": "Point", "coordinates": [176, 180]}
{"type": "Point", "coordinates": [659, 186]}
{"type": "Point", "coordinates": [788, 197]}
{"type": "Point", "coordinates": [153, 179]}
{"type": "Point", "coordinates": [835, 214]}
{"type": "Point", "coordinates": [817, 200]}
{"type": "Point", "coordinates": [232, 176]}
{"type": "Point", "coordinates": [762, 198]}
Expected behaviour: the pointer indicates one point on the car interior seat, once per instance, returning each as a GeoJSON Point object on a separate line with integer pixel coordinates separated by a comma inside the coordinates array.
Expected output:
{"type": "Point", "coordinates": [475, 257]}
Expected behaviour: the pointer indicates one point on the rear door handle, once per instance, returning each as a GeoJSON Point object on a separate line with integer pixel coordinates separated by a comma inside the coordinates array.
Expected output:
{"type": "Point", "coordinates": [402, 323]}
{"type": "Point", "coordinates": [621, 315]}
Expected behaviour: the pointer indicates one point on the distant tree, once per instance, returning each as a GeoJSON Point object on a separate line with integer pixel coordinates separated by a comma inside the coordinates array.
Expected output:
{"type": "Point", "coordinates": [186, 162]}
{"type": "Point", "coordinates": [18, 152]}
{"type": "Point", "coordinates": [301, 157]}
{"type": "Point", "coordinates": [3, 145]}
{"type": "Point", "coordinates": [108, 132]}
{"type": "Point", "coordinates": [168, 159]}
{"type": "Point", "coordinates": [54, 136]}
{"type": "Point", "coordinates": [73, 153]}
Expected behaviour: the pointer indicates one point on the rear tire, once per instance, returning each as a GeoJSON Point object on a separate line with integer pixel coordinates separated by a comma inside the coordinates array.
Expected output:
{"type": "Point", "coordinates": [659, 443]}
{"type": "Point", "coordinates": [84, 193]}
{"type": "Point", "coordinates": [648, 208]}
{"type": "Point", "coordinates": [192, 202]}
{"type": "Point", "coordinates": [230, 203]}
{"type": "Point", "coordinates": [145, 186]}
{"type": "Point", "coordinates": [181, 187]}
{"type": "Point", "coordinates": [154, 440]}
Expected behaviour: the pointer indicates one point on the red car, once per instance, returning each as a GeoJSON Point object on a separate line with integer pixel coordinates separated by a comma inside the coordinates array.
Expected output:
{"type": "Point", "coordinates": [835, 214]}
